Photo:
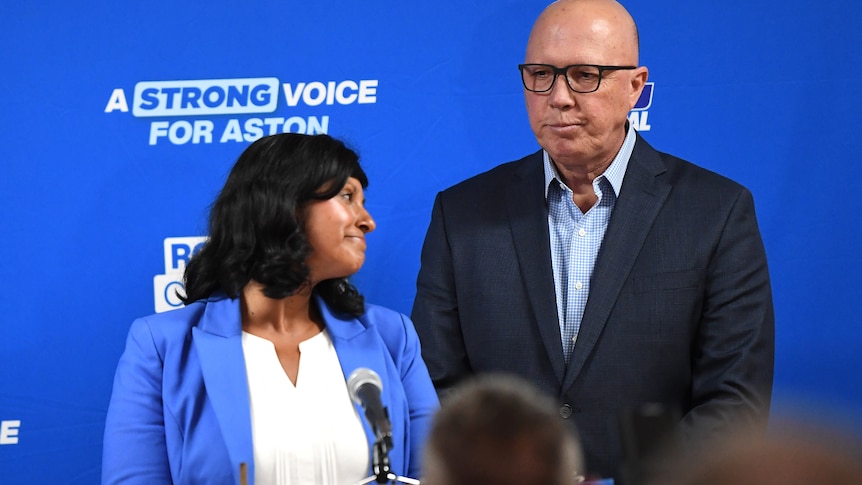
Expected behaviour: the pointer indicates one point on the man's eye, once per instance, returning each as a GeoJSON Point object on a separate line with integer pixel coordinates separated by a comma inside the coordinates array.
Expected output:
{"type": "Point", "coordinates": [585, 75]}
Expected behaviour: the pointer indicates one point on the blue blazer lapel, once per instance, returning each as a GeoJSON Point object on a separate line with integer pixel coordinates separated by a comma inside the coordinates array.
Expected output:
{"type": "Point", "coordinates": [525, 201]}
{"type": "Point", "coordinates": [218, 342]}
{"type": "Point", "coordinates": [639, 203]}
{"type": "Point", "coordinates": [356, 347]}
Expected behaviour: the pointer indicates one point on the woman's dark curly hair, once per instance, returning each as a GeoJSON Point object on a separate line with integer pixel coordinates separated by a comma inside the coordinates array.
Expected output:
{"type": "Point", "coordinates": [255, 227]}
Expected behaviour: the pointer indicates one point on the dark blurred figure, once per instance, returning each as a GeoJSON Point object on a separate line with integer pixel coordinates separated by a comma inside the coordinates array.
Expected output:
{"type": "Point", "coordinates": [499, 429]}
{"type": "Point", "coordinates": [650, 435]}
{"type": "Point", "coordinates": [799, 455]}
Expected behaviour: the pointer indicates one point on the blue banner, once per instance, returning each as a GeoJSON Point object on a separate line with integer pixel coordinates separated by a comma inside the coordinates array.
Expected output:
{"type": "Point", "coordinates": [120, 121]}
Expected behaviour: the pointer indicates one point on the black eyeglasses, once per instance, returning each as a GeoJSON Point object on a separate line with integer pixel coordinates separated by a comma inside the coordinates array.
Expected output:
{"type": "Point", "coordinates": [581, 78]}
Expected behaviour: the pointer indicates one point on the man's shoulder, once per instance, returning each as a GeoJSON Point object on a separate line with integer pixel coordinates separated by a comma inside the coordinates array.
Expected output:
{"type": "Point", "coordinates": [492, 178]}
{"type": "Point", "coordinates": [679, 171]}
{"type": "Point", "coordinates": [698, 177]}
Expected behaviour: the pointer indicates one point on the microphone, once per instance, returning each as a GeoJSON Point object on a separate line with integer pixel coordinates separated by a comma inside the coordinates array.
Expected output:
{"type": "Point", "coordinates": [364, 387]}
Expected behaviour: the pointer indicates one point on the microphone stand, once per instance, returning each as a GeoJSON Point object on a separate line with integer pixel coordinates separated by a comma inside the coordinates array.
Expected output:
{"type": "Point", "coordinates": [380, 467]}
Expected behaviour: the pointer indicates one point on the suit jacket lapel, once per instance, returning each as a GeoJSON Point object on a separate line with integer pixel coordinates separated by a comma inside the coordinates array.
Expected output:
{"type": "Point", "coordinates": [639, 202]}
{"type": "Point", "coordinates": [218, 341]}
{"type": "Point", "coordinates": [528, 215]}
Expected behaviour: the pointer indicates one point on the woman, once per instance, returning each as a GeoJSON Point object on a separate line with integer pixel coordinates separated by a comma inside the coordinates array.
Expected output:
{"type": "Point", "coordinates": [248, 379]}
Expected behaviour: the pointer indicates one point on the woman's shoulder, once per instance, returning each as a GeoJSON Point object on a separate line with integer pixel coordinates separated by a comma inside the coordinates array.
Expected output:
{"type": "Point", "coordinates": [395, 328]}
{"type": "Point", "coordinates": [381, 312]}
{"type": "Point", "coordinates": [384, 318]}
{"type": "Point", "coordinates": [172, 323]}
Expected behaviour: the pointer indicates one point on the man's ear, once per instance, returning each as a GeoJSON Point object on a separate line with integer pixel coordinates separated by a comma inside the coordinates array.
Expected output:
{"type": "Point", "coordinates": [638, 81]}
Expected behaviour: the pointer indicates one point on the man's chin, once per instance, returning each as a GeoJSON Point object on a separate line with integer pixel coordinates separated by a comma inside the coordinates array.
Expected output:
{"type": "Point", "coordinates": [565, 151]}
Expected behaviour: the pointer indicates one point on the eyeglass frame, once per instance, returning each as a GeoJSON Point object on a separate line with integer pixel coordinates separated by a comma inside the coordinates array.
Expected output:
{"type": "Point", "coordinates": [563, 70]}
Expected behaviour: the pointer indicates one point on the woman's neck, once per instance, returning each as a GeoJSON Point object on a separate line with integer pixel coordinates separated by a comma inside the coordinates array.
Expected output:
{"type": "Point", "coordinates": [292, 315]}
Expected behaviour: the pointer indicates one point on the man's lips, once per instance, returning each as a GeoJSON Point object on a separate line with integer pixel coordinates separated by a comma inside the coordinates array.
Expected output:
{"type": "Point", "coordinates": [563, 127]}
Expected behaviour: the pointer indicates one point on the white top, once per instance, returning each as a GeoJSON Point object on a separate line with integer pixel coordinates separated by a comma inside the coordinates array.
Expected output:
{"type": "Point", "coordinates": [304, 434]}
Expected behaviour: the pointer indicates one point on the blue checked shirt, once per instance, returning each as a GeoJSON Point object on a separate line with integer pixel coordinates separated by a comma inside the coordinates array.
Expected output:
{"type": "Point", "coordinates": [576, 237]}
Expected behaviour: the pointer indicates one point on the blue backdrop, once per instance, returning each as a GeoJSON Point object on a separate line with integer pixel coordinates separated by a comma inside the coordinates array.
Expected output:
{"type": "Point", "coordinates": [108, 167]}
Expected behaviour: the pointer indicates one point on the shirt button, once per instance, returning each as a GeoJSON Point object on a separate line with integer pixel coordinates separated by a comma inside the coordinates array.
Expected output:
{"type": "Point", "coordinates": [579, 285]}
{"type": "Point", "coordinates": [582, 232]}
{"type": "Point", "coordinates": [565, 411]}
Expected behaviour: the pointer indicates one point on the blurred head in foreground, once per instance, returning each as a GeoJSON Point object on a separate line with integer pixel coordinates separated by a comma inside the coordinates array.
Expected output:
{"type": "Point", "coordinates": [500, 429]}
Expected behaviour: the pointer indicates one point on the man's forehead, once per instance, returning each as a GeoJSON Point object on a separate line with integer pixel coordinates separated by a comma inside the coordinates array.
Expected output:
{"type": "Point", "coordinates": [580, 39]}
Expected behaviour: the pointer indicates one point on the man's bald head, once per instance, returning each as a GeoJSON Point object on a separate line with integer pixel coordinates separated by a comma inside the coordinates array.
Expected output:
{"type": "Point", "coordinates": [607, 20]}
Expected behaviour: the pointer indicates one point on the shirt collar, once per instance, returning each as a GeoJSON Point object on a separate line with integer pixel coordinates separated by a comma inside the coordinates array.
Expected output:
{"type": "Point", "coordinates": [615, 172]}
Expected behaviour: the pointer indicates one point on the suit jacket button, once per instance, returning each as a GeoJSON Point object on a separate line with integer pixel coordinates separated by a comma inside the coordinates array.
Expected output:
{"type": "Point", "coordinates": [565, 411]}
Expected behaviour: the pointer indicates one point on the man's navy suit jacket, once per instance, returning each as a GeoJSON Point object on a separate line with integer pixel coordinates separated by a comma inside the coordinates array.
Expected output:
{"type": "Point", "coordinates": [679, 312]}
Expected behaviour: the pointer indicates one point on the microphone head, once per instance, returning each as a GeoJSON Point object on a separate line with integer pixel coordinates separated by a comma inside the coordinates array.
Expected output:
{"type": "Point", "coordinates": [359, 378]}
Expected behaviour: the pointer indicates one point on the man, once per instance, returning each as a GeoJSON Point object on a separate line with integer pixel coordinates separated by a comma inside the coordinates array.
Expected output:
{"type": "Point", "coordinates": [609, 274]}
{"type": "Point", "coordinates": [497, 429]}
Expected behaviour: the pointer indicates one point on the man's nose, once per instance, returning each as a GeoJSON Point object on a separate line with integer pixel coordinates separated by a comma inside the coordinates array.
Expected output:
{"type": "Point", "coordinates": [560, 95]}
